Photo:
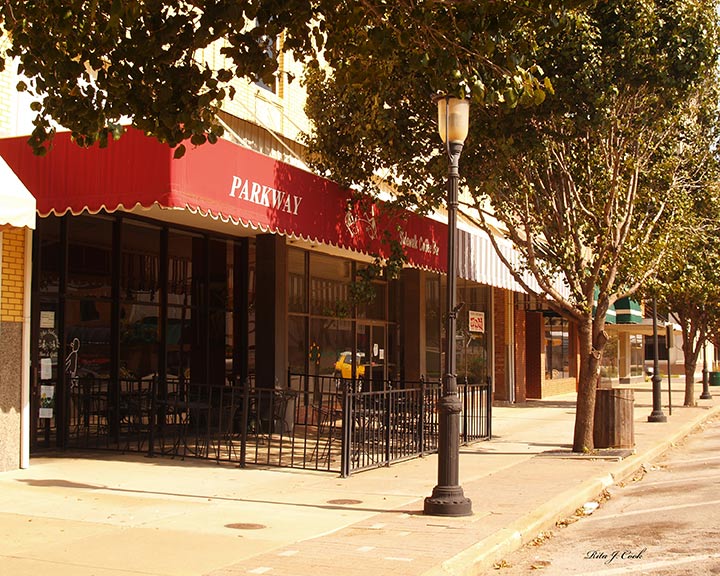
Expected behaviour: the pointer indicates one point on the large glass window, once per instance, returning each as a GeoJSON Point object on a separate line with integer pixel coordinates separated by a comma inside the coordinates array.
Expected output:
{"type": "Point", "coordinates": [88, 303]}
{"type": "Point", "coordinates": [557, 348]}
{"type": "Point", "coordinates": [637, 363]}
{"type": "Point", "coordinates": [330, 286]}
{"type": "Point", "coordinates": [140, 295]}
{"type": "Point", "coordinates": [297, 281]}
{"type": "Point", "coordinates": [180, 310]}
{"type": "Point", "coordinates": [219, 281]}
{"type": "Point", "coordinates": [433, 321]}
{"type": "Point", "coordinates": [332, 338]}
{"type": "Point", "coordinates": [375, 306]}
{"type": "Point", "coordinates": [106, 308]}
{"type": "Point", "coordinates": [87, 335]}
{"type": "Point", "coordinates": [322, 325]}
{"type": "Point", "coordinates": [50, 251]}
{"type": "Point", "coordinates": [251, 306]}
{"type": "Point", "coordinates": [472, 332]}
{"type": "Point", "coordinates": [89, 271]}
{"type": "Point", "coordinates": [298, 344]}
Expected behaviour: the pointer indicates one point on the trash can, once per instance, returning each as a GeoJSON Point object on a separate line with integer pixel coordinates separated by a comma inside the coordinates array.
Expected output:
{"type": "Point", "coordinates": [714, 379]}
{"type": "Point", "coordinates": [614, 411]}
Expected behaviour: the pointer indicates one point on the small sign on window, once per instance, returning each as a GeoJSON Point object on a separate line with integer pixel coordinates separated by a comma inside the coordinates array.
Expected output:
{"type": "Point", "coordinates": [476, 321]}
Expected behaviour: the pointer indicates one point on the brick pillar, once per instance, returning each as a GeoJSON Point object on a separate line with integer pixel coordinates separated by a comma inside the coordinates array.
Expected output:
{"type": "Point", "coordinates": [534, 354]}
{"type": "Point", "coordinates": [12, 288]}
{"type": "Point", "coordinates": [500, 338]}
{"type": "Point", "coordinates": [520, 356]}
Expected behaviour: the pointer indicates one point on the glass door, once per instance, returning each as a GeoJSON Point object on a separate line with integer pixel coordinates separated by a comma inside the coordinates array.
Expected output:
{"type": "Point", "coordinates": [372, 355]}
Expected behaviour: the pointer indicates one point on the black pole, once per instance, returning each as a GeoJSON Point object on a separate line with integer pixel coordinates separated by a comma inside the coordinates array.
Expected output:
{"type": "Point", "coordinates": [657, 414]}
{"type": "Point", "coordinates": [706, 390]}
{"type": "Point", "coordinates": [447, 497]}
{"type": "Point", "coordinates": [668, 340]}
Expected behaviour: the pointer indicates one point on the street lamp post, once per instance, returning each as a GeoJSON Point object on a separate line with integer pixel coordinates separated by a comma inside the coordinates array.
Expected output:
{"type": "Point", "coordinates": [657, 414]}
{"type": "Point", "coordinates": [706, 390]}
{"type": "Point", "coordinates": [447, 497]}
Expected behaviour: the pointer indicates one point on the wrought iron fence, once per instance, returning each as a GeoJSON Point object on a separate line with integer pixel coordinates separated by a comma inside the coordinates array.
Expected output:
{"type": "Point", "coordinates": [315, 422]}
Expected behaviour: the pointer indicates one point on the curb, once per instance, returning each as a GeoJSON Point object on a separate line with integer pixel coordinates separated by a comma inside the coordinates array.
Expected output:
{"type": "Point", "coordinates": [481, 556]}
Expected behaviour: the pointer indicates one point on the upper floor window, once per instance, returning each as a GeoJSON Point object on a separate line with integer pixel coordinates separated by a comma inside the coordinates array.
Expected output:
{"type": "Point", "coordinates": [270, 46]}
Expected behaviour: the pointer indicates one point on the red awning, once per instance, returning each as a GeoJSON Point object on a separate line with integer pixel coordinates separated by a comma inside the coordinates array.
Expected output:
{"type": "Point", "coordinates": [223, 180]}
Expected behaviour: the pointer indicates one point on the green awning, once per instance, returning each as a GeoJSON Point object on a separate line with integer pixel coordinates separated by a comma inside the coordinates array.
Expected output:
{"type": "Point", "coordinates": [628, 311]}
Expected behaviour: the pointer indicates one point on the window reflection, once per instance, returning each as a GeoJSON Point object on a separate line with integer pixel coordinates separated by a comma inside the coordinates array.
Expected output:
{"type": "Point", "coordinates": [89, 257]}
{"type": "Point", "coordinates": [557, 348]}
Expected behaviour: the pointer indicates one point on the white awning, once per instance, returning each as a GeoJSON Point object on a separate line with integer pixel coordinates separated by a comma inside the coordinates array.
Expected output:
{"type": "Point", "coordinates": [478, 261]}
{"type": "Point", "coordinates": [17, 205]}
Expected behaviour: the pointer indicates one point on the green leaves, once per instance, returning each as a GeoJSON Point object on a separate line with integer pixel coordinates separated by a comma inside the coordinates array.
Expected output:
{"type": "Point", "coordinates": [92, 63]}
{"type": "Point", "coordinates": [576, 142]}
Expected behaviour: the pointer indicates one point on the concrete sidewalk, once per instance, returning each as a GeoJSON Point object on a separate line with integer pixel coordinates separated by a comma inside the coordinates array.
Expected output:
{"type": "Point", "coordinates": [116, 515]}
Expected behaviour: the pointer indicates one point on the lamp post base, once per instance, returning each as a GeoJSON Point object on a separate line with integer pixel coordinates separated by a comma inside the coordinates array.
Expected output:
{"type": "Point", "coordinates": [657, 414]}
{"type": "Point", "coordinates": [705, 391]}
{"type": "Point", "coordinates": [448, 501]}
{"type": "Point", "coordinates": [657, 417]}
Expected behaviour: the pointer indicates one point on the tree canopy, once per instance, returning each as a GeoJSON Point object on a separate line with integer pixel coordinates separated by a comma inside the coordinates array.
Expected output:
{"type": "Point", "coordinates": [582, 178]}
{"type": "Point", "coordinates": [688, 281]}
{"type": "Point", "coordinates": [92, 63]}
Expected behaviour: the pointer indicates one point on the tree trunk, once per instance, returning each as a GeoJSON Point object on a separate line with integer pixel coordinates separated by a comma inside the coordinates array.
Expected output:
{"type": "Point", "coordinates": [689, 383]}
{"type": "Point", "coordinates": [691, 351]}
{"type": "Point", "coordinates": [590, 354]}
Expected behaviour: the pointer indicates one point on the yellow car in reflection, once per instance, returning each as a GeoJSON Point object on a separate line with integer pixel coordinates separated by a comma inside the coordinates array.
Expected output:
{"type": "Point", "coordinates": [343, 366]}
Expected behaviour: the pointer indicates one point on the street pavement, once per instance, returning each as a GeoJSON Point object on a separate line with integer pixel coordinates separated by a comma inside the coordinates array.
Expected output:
{"type": "Point", "coordinates": [119, 515]}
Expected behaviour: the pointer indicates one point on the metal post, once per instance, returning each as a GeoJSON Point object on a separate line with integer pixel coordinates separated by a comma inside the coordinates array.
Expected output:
{"type": "Point", "coordinates": [657, 414]}
{"type": "Point", "coordinates": [447, 497]}
{"type": "Point", "coordinates": [669, 384]}
{"type": "Point", "coordinates": [706, 390]}
{"type": "Point", "coordinates": [669, 344]}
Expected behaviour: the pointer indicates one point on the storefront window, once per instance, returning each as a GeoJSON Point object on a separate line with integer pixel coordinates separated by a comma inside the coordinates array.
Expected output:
{"type": "Point", "coordinates": [376, 307]}
{"type": "Point", "coordinates": [50, 251]}
{"type": "Point", "coordinates": [87, 331]}
{"type": "Point", "coordinates": [251, 306]}
{"type": "Point", "coordinates": [472, 332]}
{"type": "Point", "coordinates": [89, 257]}
{"type": "Point", "coordinates": [329, 286]}
{"type": "Point", "coordinates": [140, 294]}
{"type": "Point", "coordinates": [180, 311]}
{"type": "Point", "coordinates": [297, 344]}
{"type": "Point", "coordinates": [333, 339]}
{"type": "Point", "coordinates": [637, 365]}
{"type": "Point", "coordinates": [433, 321]}
{"type": "Point", "coordinates": [297, 281]}
{"type": "Point", "coordinates": [557, 348]}
{"type": "Point", "coordinates": [87, 338]}
{"type": "Point", "coordinates": [322, 340]}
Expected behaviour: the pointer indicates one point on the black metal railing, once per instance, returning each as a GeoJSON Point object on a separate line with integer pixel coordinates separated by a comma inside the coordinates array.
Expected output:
{"type": "Point", "coordinates": [315, 422]}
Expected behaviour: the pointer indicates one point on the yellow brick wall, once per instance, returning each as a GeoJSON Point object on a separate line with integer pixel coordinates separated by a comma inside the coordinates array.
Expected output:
{"type": "Point", "coordinates": [13, 275]}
